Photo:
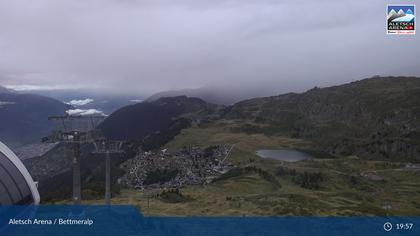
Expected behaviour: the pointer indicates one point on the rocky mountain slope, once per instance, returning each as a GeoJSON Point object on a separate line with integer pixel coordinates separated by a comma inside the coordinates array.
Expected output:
{"type": "Point", "coordinates": [376, 117]}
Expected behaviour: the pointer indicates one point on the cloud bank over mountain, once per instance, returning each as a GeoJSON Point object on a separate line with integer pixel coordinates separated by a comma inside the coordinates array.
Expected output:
{"type": "Point", "coordinates": [81, 102]}
{"type": "Point", "coordinates": [84, 112]}
{"type": "Point", "coordinates": [155, 45]}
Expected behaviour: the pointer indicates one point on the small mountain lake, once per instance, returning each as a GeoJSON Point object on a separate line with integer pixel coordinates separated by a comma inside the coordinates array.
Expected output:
{"type": "Point", "coordinates": [288, 155]}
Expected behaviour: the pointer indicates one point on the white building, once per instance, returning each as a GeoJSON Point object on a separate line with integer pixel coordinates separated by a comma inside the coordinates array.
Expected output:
{"type": "Point", "coordinates": [16, 184]}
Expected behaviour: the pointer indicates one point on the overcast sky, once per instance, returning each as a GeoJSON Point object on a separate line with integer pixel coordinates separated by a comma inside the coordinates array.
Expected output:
{"type": "Point", "coordinates": [143, 46]}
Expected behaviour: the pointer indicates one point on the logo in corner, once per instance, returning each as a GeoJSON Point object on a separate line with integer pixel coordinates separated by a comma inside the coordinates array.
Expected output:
{"type": "Point", "coordinates": [401, 19]}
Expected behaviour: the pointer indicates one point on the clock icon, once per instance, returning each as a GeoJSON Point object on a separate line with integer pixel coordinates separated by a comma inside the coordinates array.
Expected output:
{"type": "Point", "coordinates": [387, 226]}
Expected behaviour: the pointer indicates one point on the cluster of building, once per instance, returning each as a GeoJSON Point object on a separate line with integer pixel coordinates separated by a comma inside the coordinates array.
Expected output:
{"type": "Point", "coordinates": [162, 169]}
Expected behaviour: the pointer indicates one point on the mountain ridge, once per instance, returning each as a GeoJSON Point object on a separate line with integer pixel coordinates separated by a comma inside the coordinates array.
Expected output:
{"type": "Point", "coordinates": [148, 117]}
{"type": "Point", "coordinates": [24, 117]}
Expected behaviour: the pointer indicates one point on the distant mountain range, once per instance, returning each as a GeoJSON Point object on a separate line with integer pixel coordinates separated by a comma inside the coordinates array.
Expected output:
{"type": "Point", "coordinates": [90, 99]}
{"type": "Point", "coordinates": [208, 95]}
{"type": "Point", "coordinates": [24, 117]}
{"type": "Point", "coordinates": [221, 94]}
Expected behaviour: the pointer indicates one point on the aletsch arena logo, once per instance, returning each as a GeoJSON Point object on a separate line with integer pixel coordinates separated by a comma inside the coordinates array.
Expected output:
{"type": "Point", "coordinates": [401, 19]}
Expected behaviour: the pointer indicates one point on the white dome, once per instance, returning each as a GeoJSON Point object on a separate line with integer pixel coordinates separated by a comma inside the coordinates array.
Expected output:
{"type": "Point", "coordinates": [16, 184]}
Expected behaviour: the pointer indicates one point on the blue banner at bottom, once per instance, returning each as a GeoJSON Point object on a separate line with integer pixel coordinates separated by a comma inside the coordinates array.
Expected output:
{"type": "Point", "coordinates": [127, 220]}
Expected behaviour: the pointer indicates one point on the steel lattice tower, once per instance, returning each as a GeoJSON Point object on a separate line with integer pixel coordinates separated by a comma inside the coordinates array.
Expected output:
{"type": "Point", "coordinates": [75, 130]}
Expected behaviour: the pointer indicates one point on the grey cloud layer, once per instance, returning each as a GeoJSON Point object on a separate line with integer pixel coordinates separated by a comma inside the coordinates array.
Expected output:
{"type": "Point", "coordinates": [151, 45]}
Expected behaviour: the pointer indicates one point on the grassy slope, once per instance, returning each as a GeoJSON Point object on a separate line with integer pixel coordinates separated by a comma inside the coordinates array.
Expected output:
{"type": "Point", "coordinates": [251, 195]}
